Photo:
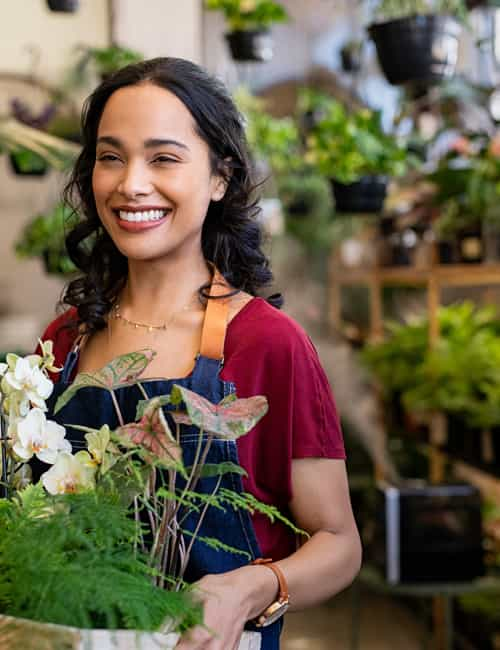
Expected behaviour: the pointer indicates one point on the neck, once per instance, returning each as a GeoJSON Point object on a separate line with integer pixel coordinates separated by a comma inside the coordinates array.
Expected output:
{"type": "Point", "coordinates": [154, 291]}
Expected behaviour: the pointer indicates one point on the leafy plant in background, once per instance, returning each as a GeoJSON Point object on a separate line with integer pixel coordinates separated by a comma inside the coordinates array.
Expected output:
{"type": "Point", "coordinates": [393, 9]}
{"type": "Point", "coordinates": [95, 565]}
{"type": "Point", "coordinates": [243, 15]}
{"type": "Point", "coordinates": [467, 182]}
{"type": "Point", "coordinates": [100, 61]}
{"type": "Point", "coordinates": [459, 375]}
{"type": "Point", "coordinates": [44, 237]}
{"type": "Point", "coordinates": [16, 137]}
{"type": "Point", "coordinates": [271, 139]}
{"type": "Point", "coordinates": [349, 145]}
{"type": "Point", "coordinates": [308, 207]}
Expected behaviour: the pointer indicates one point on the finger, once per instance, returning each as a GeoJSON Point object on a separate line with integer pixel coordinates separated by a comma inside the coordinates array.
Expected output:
{"type": "Point", "coordinates": [196, 639]}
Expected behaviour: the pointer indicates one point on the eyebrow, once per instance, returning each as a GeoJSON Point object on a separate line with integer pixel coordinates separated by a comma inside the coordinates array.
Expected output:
{"type": "Point", "coordinates": [150, 143]}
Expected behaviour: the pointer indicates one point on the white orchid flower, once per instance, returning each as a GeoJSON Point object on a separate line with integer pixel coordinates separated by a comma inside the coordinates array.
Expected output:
{"type": "Point", "coordinates": [68, 475]}
{"type": "Point", "coordinates": [40, 437]}
{"type": "Point", "coordinates": [30, 380]}
{"type": "Point", "coordinates": [3, 368]}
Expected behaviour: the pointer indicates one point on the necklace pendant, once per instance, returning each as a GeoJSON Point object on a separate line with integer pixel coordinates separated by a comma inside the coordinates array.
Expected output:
{"type": "Point", "coordinates": [136, 326]}
{"type": "Point", "coordinates": [150, 328]}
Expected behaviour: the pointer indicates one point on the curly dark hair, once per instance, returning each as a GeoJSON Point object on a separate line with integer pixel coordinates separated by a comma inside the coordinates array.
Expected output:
{"type": "Point", "coordinates": [231, 235]}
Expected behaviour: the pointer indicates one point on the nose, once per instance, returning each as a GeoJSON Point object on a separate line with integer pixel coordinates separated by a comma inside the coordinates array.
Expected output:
{"type": "Point", "coordinates": [135, 180]}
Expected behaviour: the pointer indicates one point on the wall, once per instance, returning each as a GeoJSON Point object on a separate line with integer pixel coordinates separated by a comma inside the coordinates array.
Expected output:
{"type": "Point", "coordinates": [155, 27]}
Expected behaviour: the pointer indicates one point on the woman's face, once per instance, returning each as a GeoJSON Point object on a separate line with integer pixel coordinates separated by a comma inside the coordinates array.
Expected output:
{"type": "Point", "coordinates": [152, 180]}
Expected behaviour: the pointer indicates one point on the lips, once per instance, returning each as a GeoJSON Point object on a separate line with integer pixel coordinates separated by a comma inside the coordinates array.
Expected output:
{"type": "Point", "coordinates": [138, 219]}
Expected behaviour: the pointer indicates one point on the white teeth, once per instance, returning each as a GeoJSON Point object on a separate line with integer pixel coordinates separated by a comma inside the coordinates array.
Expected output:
{"type": "Point", "coordinates": [147, 215]}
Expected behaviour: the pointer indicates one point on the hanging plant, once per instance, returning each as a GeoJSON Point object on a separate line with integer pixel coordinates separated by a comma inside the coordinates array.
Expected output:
{"type": "Point", "coordinates": [66, 6]}
{"type": "Point", "coordinates": [416, 40]}
{"type": "Point", "coordinates": [248, 22]}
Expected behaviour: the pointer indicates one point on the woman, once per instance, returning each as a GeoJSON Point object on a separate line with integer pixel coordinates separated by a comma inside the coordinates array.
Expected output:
{"type": "Point", "coordinates": [164, 187]}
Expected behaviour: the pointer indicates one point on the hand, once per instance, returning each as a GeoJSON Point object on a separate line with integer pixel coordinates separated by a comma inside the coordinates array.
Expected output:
{"type": "Point", "coordinates": [229, 601]}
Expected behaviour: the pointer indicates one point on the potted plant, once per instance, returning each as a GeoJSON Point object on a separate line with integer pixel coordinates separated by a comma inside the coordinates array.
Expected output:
{"type": "Point", "coordinates": [417, 40]}
{"type": "Point", "coordinates": [44, 237]}
{"type": "Point", "coordinates": [103, 575]}
{"type": "Point", "coordinates": [352, 150]}
{"type": "Point", "coordinates": [102, 61]}
{"type": "Point", "coordinates": [34, 149]}
{"type": "Point", "coordinates": [66, 6]}
{"type": "Point", "coordinates": [24, 161]}
{"type": "Point", "coordinates": [248, 22]}
{"type": "Point", "coordinates": [467, 182]}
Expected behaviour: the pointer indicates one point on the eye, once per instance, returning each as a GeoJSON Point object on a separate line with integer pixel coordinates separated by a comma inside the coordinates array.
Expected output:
{"type": "Point", "coordinates": [163, 158]}
{"type": "Point", "coordinates": [108, 157]}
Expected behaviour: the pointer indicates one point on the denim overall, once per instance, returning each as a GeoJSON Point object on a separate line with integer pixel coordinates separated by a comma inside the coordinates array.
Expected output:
{"type": "Point", "coordinates": [93, 407]}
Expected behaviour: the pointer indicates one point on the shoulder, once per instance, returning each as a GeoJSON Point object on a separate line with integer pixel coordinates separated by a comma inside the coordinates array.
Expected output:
{"type": "Point", "coordinates": [261, 327]}
{"type": "Point", "coordinates": [63, 331]}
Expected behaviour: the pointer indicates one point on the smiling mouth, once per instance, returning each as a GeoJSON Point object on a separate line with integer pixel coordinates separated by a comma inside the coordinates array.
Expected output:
{"type": "Point", "coordinates": [143, 216]}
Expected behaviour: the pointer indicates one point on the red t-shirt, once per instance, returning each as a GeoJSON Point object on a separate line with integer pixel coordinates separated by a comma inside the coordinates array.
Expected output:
{"type": "Point", "coordinates": [267, 353]}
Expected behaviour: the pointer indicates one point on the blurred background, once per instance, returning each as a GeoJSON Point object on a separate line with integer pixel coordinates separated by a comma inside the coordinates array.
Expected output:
{"type": "Point", "coordinates": [374, 129]}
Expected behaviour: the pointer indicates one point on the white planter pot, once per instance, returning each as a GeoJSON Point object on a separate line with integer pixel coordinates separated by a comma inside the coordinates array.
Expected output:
{"type": "Point", "coordinates": [22, 634]}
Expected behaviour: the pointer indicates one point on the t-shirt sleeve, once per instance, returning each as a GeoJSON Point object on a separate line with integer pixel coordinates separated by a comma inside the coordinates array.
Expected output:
{"type": "Point", "coordinates": [62, 332]}
{"type": "Point", "coordinates": [278, 360]}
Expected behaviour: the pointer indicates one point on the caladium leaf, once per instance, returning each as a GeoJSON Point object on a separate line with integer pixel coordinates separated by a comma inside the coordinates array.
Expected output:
{"type": "Point", "coordinates": [153, 434]}
{"type": "Point", "coordinates": [229, 419]}
{"type": "Point", "coordinates": [122, 370]}
{"type": "Point", "coordinates": [143, 404]}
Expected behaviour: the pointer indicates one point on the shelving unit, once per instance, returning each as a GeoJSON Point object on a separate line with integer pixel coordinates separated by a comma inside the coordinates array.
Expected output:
{"type": "Point", "coordinates": [432, 278]}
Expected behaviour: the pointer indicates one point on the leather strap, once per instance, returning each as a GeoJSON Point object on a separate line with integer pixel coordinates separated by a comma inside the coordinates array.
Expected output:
{"type": "Point", "coordinates": [216, 317]}
{"type": "Point", "coordinates": [283, 593]}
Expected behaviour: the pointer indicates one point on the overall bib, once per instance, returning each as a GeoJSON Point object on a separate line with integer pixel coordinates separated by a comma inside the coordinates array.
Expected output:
{"type": "Point", "coordinates": [93, 407]}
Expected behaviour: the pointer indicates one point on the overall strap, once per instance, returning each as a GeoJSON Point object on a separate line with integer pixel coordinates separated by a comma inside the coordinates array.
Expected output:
{"type": "Point", "coordinates": [216, 316]}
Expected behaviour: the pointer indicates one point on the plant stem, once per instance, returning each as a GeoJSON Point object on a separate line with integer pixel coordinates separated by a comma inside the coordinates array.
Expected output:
{"type": "Point", "coordinates": [197, 529]}
{"type": "Point", "coordinates": [117, 408]}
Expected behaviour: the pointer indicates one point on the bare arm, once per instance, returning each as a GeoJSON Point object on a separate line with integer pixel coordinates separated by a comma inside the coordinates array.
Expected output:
{"type": "Point", "coordinates": [324, 565]}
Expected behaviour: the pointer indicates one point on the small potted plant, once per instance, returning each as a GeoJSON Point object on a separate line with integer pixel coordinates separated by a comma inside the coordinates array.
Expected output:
{"type": "Point", "coordinates": [417, 40]}
{"type": "Point", "coordinates": [25, 162]}
{"type": "Point", "coordinates": [33, 149]}
{"type": "Point", "coordinates": [101, 61]}
{"type": "Point", "coordinates": [467, 182]}
{"type": "Point", "coordinates": [352, 150]}
{"type": "Point", "coordinates": [248, 22]}
{"type": "Point", "coordinates": [44, 237]}
{"type": "Point", "coordinates": [66, 6]}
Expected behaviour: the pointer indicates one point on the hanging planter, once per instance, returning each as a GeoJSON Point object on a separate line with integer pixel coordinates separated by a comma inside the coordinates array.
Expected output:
{"type": "Point", "coordinates": [27, 163]}
{"type": "Point", "coordinates": [422, 48]}
{"type": "Point", "coordinates": [365, 195]}
{"type": "Point", "coordinates": [251, 45]}
{"type": "Point", "coordinates": [66, 6]}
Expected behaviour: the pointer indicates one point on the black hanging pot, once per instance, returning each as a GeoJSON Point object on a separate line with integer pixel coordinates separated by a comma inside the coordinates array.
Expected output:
{"type": "Point", "coordinates": [251, 45]}
{"type": "Point", "coordinates": [20, 168]}
{"type": "Point", "coordinates": [67, 6]}
{"type": "Point", "coordinates": [366, 195]}
{"type": "Point", "coordinates": [417, 48]}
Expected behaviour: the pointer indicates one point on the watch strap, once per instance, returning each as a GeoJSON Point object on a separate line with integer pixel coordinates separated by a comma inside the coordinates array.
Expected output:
{"type": "Point", "coordinates": [283, 596]}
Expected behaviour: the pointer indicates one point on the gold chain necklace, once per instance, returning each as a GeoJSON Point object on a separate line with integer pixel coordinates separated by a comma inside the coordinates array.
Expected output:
{"type": "Point", "coordinates": [117, 315]}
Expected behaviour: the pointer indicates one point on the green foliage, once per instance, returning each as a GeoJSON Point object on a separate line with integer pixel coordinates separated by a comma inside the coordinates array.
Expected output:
{"type": "Point", "coordinates": [467, 182]}
{"type": "Point", "coordinates": [459, 375]}
{"type": "Point", "coordinates": [99, 61]}
{"type": "Point", "coordinates": [348, 145]}
{"type": "Point", "coordinates": [393, 9]}
{"type": "Point", "coordinates": [308, 205]}
{"type": "Point", "coordinates": [71, 560]}
{"type": "Point", "coordinates": [44, 236]}
{"type": "Point", "coordinates": [28, 161]}
{"type": "Point", "coordinates": [248, 14]}
{"type": "Point", "coordinates": [275, 140]}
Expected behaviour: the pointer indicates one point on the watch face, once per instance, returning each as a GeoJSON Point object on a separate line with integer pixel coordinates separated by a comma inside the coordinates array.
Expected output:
{"type": "Point", "coordinates": [274, 612]}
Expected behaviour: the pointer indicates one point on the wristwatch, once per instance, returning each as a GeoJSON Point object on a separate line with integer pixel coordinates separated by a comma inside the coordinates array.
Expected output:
{"type": "Point", "coordinates": [279, 607]}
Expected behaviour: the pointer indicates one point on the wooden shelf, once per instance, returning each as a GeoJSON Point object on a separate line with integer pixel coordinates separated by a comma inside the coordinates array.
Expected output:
{"type": "Point", "coordinates": [452, 275]}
